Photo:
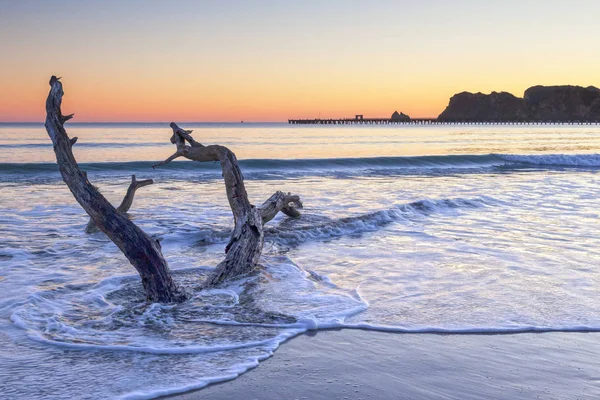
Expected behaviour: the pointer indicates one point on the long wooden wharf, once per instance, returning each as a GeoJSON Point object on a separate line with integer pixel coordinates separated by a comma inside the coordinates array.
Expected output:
{"type": "Point", "coordinates": [426, 121]}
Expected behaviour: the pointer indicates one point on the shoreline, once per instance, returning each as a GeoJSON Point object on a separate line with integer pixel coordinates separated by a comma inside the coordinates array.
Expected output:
{"type": "Point", "coordinates": [360, 364]}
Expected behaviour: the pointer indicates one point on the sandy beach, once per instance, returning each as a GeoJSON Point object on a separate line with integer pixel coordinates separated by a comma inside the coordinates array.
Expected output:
{"type": "Point", "coordinates": [354, 364]}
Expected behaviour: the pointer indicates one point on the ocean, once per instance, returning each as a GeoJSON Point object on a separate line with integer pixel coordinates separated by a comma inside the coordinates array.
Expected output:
{"type": "Point", "coordinates": [457, 229]}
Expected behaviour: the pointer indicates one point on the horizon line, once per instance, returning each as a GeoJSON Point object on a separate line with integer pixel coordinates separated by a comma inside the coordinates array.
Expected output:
{"type": "Point", "coordinates": [183, 122]}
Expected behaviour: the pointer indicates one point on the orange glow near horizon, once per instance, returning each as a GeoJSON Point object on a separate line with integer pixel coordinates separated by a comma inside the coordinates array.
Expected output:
{"type": "Point", "coordinates": [268, 61]}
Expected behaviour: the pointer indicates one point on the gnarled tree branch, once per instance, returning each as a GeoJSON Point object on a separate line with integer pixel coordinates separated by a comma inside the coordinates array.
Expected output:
{"type": "Point", "coordinates": [126, 203]}
{"type": "Point", "coordinates": [245, 246]}
{"type": "Point", "coordinates": [143, 252]}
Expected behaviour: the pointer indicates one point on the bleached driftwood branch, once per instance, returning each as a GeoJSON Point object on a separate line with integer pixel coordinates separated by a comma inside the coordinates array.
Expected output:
{"type": "Point", "coordinates": [245, 246]}
{"type": "Point", "coordinates": [142, 252]}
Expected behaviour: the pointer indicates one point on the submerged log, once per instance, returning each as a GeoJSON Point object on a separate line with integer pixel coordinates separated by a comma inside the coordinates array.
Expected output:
{"type": "Point", "coordinates": [245, 246]}
{"type": "Point", "coordinates": [142, 252]}
{"type": "Point", "coordinates": [126, 203]}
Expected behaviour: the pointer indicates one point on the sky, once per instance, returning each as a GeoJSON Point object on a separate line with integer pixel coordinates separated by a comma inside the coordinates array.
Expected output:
{"type": "Point", "coordinates": [253, 60]}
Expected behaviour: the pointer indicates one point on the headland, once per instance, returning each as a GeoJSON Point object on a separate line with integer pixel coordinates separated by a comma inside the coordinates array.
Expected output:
{"type": "Point", "coordinates": [539, 105]}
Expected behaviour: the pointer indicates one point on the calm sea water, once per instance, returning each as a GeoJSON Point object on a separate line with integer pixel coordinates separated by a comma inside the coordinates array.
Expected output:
{"type": "Point", "coordinates": [412, 229]}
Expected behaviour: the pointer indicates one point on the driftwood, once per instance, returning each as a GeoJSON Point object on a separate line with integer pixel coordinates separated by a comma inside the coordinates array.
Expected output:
{"type": "Point", "coordinates": [126, 203]}
{"type": "Point", "coordinates": [142, 252]}
{"type": "Point", "coordinates": [245, 246]}
{"type": "Point", "coordinates": [279, 201]}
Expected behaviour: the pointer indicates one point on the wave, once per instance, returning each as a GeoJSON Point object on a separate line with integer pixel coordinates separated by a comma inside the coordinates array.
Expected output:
{"type": "Point", "coordinates": [321, 164]}
{"type": "Point", "coordinates": [395, 164]}
{"type": "Point", "coordinates": [314, 227]}
{"type": "Point", "coordinates": [293, 232]}
{"type": "Point", "coordinates": [558, 160]}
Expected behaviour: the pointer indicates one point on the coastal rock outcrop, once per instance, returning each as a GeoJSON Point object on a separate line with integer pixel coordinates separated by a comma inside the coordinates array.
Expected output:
{"type": "Point", "coordinates": [396, 116]}
{"type": "Point", "coordinates": [540, 103]}
{"type": "Point", "coordinates": [563, 103]}
{"type": "Point", "coordinates": [496, 106]}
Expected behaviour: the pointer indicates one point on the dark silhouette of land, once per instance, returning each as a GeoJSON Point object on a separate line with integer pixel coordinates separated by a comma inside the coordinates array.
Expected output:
{"type": "Point", "coordinates": [540, 104]}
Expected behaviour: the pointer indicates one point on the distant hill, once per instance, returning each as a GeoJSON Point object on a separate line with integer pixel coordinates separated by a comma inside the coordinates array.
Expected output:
{"type": "Point", "coordinates": [540, 103]}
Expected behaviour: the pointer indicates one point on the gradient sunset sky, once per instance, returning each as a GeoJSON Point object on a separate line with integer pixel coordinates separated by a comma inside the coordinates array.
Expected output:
{"type": "Point", "coordinates": [232, 60]}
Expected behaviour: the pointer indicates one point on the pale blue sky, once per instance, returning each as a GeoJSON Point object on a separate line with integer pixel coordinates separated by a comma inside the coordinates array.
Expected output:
{"type": "Point", "coordinates": [268, 59]}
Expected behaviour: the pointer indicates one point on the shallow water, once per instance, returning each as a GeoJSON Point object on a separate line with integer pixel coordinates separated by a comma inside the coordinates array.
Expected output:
{"type": "Point", "coordinates": [410, 229]}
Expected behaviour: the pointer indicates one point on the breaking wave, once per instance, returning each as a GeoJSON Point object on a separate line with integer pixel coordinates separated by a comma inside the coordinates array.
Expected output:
{"type": "Point", "coordinates": [560, 160]}
{"type": "Point", "coordinates": [370, 165]}
{"type": "Point", "coordinates": [293, 232]}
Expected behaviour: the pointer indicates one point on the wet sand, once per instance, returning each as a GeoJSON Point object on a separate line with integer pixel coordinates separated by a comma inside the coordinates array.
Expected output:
{"type": "Point", "coordinates": [354, 364]}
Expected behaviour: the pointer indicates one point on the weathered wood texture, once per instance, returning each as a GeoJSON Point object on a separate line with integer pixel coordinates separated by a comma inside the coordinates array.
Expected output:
{"type": "Point", "coordinates": [142, 252]}
{"type": "Point", "coordinates": [245, 246]}
{"type": "Point", "coordinates": [279, 201]}
{"type": "Point", "coordinates": [126, 203]}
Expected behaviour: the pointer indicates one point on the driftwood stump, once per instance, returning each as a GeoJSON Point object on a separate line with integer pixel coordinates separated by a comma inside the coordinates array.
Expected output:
{"type": "Point", "coordinates": [142, 252]}
{"type": "Point", "coordinates": [245, 246]}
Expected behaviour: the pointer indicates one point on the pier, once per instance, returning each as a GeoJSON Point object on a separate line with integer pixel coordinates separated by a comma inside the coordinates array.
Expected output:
{"type": "Point", "coordinates": [426, 121]}
{"type": "Point", "coordinates": [405, 120]}
{"type": "Point", "coordinates": [361, 121]}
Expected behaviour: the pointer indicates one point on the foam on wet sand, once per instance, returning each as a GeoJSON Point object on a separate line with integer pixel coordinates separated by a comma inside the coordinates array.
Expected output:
{"type": "Point", "coordinates": [355, 364]}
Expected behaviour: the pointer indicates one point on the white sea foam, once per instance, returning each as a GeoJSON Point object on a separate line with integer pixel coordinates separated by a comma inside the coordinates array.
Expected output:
{"type": "Point", "coordinates": [464, 243]}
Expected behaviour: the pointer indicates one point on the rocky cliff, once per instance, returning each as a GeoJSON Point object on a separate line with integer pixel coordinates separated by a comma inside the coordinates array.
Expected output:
{"type": "Point", "coordinates": [540, 103]}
